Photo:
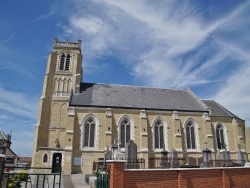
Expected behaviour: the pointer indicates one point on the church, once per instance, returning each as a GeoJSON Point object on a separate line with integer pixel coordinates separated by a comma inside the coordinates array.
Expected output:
{"type": "Point", "coordinates": [78, 121]}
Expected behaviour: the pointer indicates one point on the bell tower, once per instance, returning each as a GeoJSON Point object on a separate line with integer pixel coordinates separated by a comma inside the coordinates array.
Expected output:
{"type": "Point", "coordinates": [63, 76]}
{"type": "Point", "coordinates": [67, 70]}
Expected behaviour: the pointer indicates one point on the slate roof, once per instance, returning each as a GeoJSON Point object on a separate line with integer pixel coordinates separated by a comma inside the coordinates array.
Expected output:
{"type": "Point", "coordinates": [121, 96]}
{"type": "Point", "coordinates": [2, 135]}
{"type": "Point", "coordinates": [217, 110]}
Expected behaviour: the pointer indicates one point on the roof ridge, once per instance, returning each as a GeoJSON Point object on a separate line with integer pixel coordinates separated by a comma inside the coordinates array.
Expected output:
{"type": "Point", "coordinates": [149, 87]}
{"type": "Point", "coordinates": [196, 98]}
{"type": "Point", "coordinates": [207, 99]}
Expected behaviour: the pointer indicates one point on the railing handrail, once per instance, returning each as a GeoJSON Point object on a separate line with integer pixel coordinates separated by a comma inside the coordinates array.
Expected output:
{"type": "Point", "coordinates": [36, 175]}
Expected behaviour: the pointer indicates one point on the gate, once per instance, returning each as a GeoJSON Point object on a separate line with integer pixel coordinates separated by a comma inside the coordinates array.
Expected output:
{"type": "Point", "coordinates": [102, 178]}
{"type": "Point", "coordinates": [32, 177]}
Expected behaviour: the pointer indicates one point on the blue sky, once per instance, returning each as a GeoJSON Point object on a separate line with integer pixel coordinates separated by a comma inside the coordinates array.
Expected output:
{"type": "Point", "coordinates": [203, 45]}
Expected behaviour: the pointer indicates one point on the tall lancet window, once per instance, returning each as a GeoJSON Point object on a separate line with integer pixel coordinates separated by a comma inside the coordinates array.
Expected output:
{"type": "Point", "coordinates": [89, 132]}
{"type": "Point", "coordinates": [190, 135]}
{"type": "Point", "coordinates": [125, 128]}
{"type": "Point", "coordinates": [67, 64]}
{"type": "Point", "coordinates": [64, 62]}
{"type": "Point", "coordinates": [158, 135]}
{"type": "Point", "coordinates": [220, 137]}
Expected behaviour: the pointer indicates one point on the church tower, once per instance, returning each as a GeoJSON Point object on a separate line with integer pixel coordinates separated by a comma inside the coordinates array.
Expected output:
{"type": "Point", "coordinates": [63, 77]}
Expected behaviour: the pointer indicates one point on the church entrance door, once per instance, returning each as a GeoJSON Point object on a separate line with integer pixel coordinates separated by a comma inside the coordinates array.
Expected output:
{"type": "Point", "coordinates": [56, 164]}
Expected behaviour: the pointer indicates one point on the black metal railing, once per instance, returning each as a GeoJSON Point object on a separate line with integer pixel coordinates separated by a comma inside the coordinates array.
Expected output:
{"type": "Point", "coordinates": [135, 164]}
{"type": "Point", "coordinates": [14, 176]}
{"type": "Point", "coordinates": [225, 163]}
{"type": "Point", "coordinates": [130, 164]}
{"type": "Point", "coordinates": [159, 162]}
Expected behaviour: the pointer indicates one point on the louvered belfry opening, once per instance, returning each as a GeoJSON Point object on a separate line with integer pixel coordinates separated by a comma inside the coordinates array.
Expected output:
{"type": "Point", "coordinates": [64, 62]}
{"type": "Point", "coordinates": [67, 62]}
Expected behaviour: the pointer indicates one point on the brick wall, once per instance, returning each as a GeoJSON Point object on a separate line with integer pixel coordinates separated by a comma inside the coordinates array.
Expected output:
{"type": "Point", "coordinates": [116, 174]}
{"type": "Point", "coordinates": [184, 178]}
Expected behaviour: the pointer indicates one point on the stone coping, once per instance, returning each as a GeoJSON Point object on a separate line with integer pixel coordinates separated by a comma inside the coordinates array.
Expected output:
{"type": "Point", "coordinates": [116, 161]}
{"type": "Point", "coordinates": [183, 169]}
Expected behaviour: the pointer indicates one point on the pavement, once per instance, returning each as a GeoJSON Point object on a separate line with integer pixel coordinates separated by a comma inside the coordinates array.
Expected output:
{"type": "Point", "coordinates": [74, 181]}
{"type": "Point", "coordinates": [67, 181]}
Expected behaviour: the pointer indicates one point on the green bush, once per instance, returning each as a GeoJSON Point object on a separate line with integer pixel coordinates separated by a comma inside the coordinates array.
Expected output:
{"type": "Point", "coordinates": [23, 175]}
{"type": "Point", "coordinates": [14, 181]}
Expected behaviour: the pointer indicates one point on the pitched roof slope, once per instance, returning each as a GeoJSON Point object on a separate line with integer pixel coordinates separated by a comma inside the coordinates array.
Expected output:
{"type": "Point", "coordinates": [217, 110]}
{"type": "Point", "coordinates": [2, 135]}
{"type": "Point", "coordinates": [120, 96]}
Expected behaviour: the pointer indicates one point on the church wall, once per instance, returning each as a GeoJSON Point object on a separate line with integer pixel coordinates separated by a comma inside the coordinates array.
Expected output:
{"type": "Point", "coordinates": [204, 129]}
{"type": "Point", "coordinates": [88, 156]}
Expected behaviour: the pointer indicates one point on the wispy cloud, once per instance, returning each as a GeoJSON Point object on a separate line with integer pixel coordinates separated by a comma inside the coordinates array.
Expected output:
{"type": "Point", "coordinates": [22, 139]}
{"type": "Point", "coordinates": [52, 10]}
{"type": "Point", "coordinates": [18, 113]}
{"type": "Point", "coordinates": [153, 39]}
{"type": "Point", "coordinates": [172, 44]}
{"type": "Point", "coordinates": [18, 103]}
{"type": "Point", "coordinates": [8, 39]}
{"type": "Point", "coordinates": [235, 93]}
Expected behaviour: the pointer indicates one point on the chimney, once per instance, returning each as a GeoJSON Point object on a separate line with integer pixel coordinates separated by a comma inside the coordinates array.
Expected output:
{"type": "Point", "coordinates": [9, 136]}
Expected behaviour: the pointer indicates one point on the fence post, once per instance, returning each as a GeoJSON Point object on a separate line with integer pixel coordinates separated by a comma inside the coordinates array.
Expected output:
{"type": "Point", "coordinates": [60, 177]}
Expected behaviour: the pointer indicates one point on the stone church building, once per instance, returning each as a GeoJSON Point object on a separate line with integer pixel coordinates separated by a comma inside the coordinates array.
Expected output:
{"type": "Point", "coordinates": [77, 121]}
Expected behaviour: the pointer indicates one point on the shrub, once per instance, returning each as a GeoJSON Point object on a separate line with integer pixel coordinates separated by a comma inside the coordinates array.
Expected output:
{"type": "Point", "coordinates": [13, 182]}
{"type": "Point", "coordinates": [23, 175]}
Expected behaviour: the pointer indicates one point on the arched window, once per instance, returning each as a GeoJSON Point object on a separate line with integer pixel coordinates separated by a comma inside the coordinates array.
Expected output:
{"type": "Point", "coordinates": [125, 129]}
{"type": "Point", "coordinates": [45, 158]}
{"type": "Point", "coordinates": [220, 137]}
{"type": "Point", "coordinates": [67, 62]}
{"type": "Point", "coordinates": [89, 133]}
{"type": "Point", "coordinates": [190, 135]}
{"type": "Point", "coordinates": [64, 62]}
{"type": "Point", "coordinates": [159, 135]}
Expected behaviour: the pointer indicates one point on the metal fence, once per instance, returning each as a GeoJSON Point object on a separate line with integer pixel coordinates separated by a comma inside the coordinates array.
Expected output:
{"type": "Point", "coordinates": [32, 177]}
{"type": "Point", "coordinates": [102, 177]}
{"type": "Point", "coordinates": [225, 163]}
{"type": "Point", "coordinates": [130, 164]}
{"type": "Point", "coordinates": [156, 162]}
{"type": "Point", "coordinates": [102, 180]}
{"type": "Point", "coordinates": [138, 164]}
